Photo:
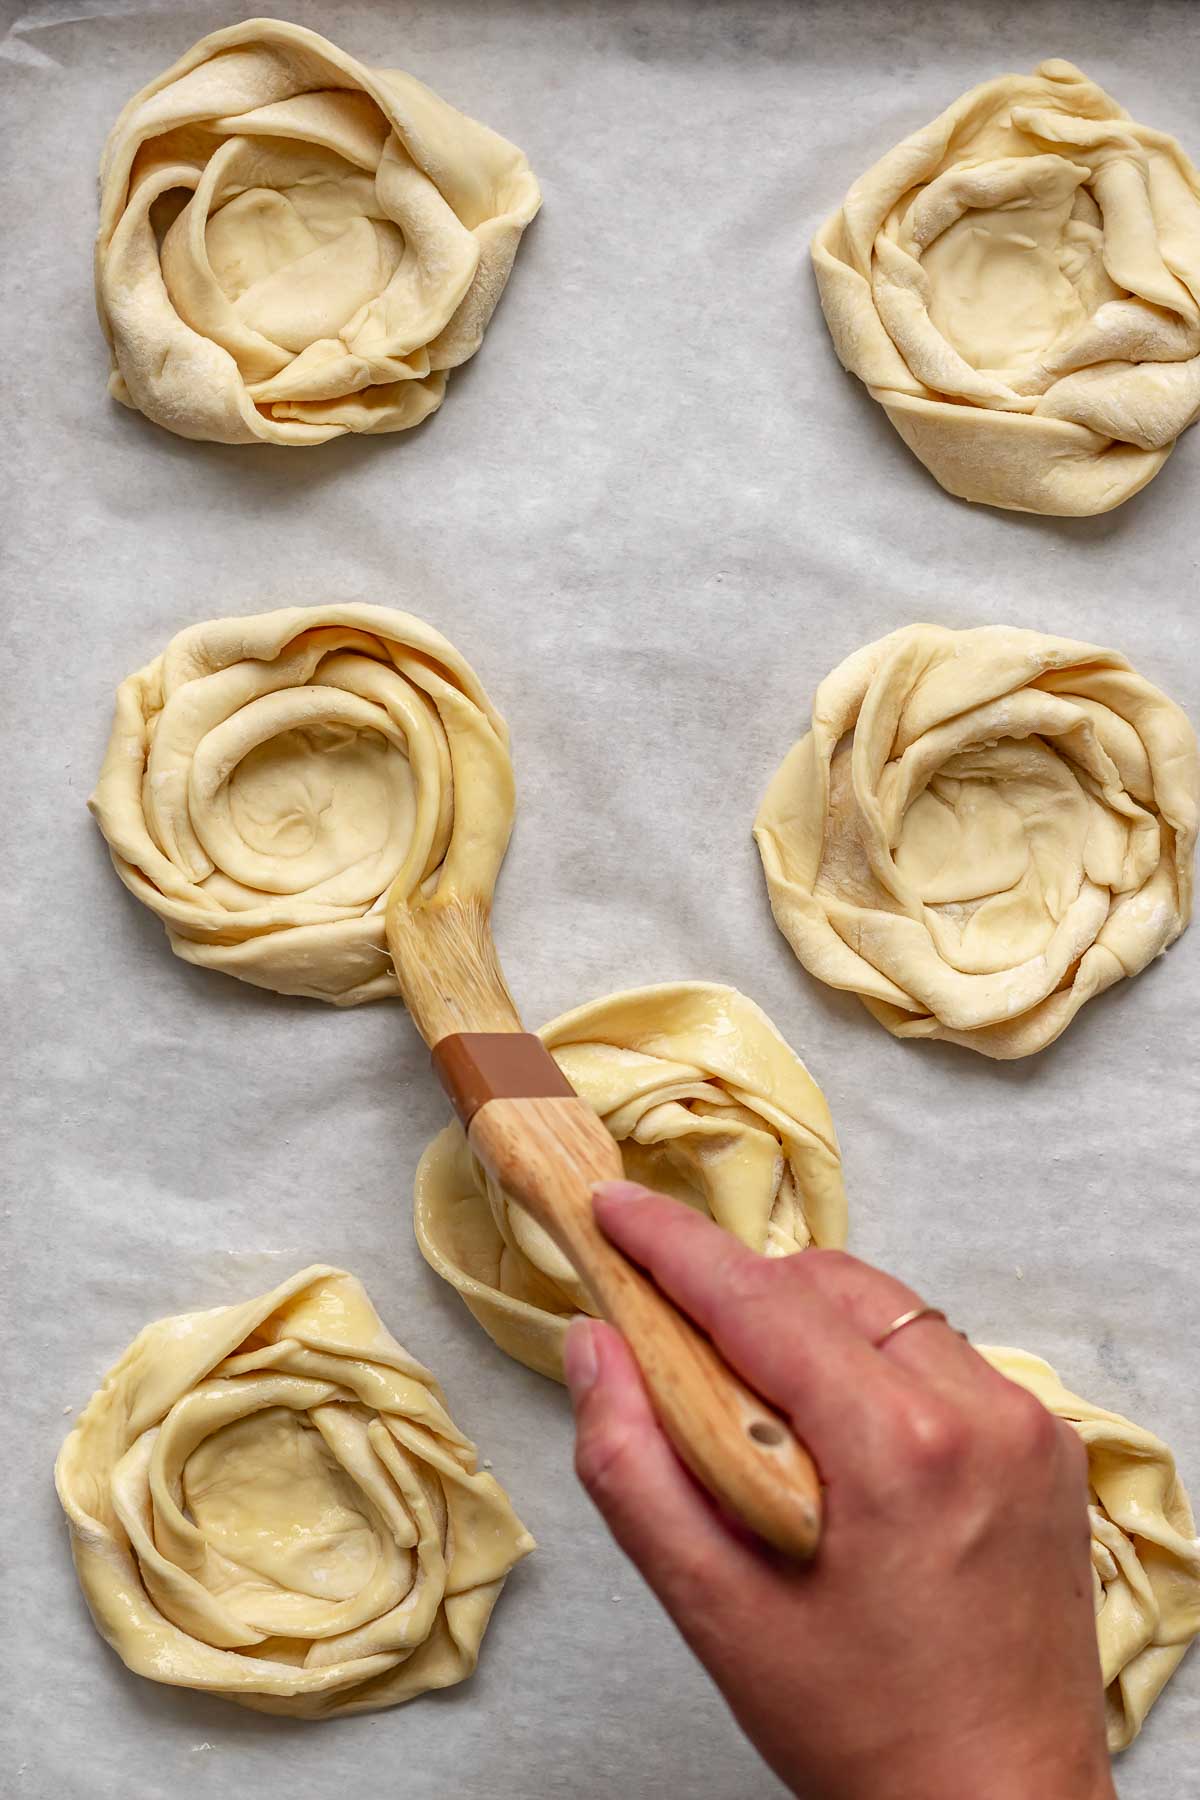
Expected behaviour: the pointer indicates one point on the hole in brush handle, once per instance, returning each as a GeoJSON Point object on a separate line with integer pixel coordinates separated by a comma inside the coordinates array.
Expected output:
{"type": "Point", "coordinates": [767, 1433]}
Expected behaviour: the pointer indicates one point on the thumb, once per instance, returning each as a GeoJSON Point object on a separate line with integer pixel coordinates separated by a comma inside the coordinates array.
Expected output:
{"type": "Point", "coordinates": [658, 1515]}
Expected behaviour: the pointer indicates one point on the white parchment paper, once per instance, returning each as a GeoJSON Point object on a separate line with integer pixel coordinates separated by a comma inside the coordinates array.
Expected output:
{"type": "Point", "coordinates": [653, 512]}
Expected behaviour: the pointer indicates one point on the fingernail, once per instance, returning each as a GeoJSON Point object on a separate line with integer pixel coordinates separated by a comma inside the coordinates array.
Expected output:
{"type": "Point", "coordinates": [616, 1193]}
{"type": "Point", "coordinates": [580, 1362]}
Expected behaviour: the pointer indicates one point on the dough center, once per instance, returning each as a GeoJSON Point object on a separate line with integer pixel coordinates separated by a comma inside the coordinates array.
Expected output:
{"type": "Point", "coordinates": [1000, 295]}
{"type": "Point", "coordinates": [323, 801]}
{"type": "Point", "coordinates": [266, 1493]}
{"type": "Point", "coordinates": [996, 845]}
{"type": "Point", "coordinates": [298, 264]}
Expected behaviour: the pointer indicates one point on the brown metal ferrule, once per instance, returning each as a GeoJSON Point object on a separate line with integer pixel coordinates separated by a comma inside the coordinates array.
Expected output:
{"type": "Point", "coordinates": [477, 1066]}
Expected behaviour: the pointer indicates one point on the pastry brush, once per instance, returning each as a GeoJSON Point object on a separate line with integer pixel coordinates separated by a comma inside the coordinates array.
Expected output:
{"type": "Point", "coordinates": [546, 1148]}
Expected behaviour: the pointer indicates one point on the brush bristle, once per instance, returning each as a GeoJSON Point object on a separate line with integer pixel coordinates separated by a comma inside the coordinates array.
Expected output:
{"type": "Point", "coordinates": [447, 967]}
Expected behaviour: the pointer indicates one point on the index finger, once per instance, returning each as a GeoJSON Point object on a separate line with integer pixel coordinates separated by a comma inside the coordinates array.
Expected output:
{"type": "Point", "coordinates": [794, 1346]}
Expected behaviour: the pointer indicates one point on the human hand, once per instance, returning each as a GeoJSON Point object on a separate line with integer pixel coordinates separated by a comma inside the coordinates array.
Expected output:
{"type": "Point", "coordinates": [941, 1645]}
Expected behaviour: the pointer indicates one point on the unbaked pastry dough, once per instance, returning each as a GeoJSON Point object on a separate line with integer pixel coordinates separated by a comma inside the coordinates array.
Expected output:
{"type": "Point", "coordinates": [269, 778]}
{"type": "Point", "coordinates": [1018, 284]}
{"type": "Point", "coordinates": [1145, 1555]}
{"type": "Point", "coordinates": [1009, 830]}
{"type": "Point", "coordinates": [270, 1502]}
{"type": "Point", "coordinates": [293, 246]}
{"type": "Point", "coordinates": [707, 1102]}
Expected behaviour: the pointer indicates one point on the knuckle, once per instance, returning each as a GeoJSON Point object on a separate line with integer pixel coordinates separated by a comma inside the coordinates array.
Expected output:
{"type": "Point", "coordinates": [850, 1286]}
{"type": "Point", "coordinates": [839, 1265]}
{"type": "Point", "coordinates": [936, 1439]}
{"type": "Point", "coordinates": [693, 1575]}
{"type": "Point", "coordinates": [603, 1463]}
{"type": "Point", "coordinates": [1027, 1427]}
{"type": "Point", "coordinates": [748, 1279]}
{"type": "Point", "coordinates": [835, 1275]}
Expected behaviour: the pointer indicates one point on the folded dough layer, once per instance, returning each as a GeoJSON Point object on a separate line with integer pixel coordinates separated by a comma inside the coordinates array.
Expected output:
{"type": "Point", "coordinates": [1018, 284]}
{"type": "Point", "coordinates": [1145, 1555]}
{"type": "Point", "coordinates": [293, 246]}
{"type": "Point", "coordinates": [982, 830]}
{"type": "Point", "coordinates": [270, 1502]}
{"type": "Point", "coordinates": [707, 1102]}
{"type": "Point", "coordinates": [270, 779]}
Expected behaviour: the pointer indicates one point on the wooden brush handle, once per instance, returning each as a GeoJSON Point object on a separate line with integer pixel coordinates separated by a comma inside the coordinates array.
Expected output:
{"type": "Point", "coordinates": [547, 1153]}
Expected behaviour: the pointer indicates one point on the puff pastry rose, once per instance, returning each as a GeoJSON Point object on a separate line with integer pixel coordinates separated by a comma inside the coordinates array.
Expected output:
{"type": "Point", "coordinates": [270, 1502]}
{"type": "Point", "coordinates": [982, 830]}
{"type": "Point", "coordinates": [707, 1102]}
{"type": "Point", "coordinates": [293, 246]}
{"type": "Point", "coordinates": [1145, 1554]}
{"type": "Point", "coordinates": [1018, 284]}
{"type": "Point", "coordinates": [270, 779]}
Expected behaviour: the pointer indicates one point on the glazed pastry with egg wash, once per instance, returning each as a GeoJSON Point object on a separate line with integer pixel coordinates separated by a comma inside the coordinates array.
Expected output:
{"type": "Point", "coordinates": [270, 1502]}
